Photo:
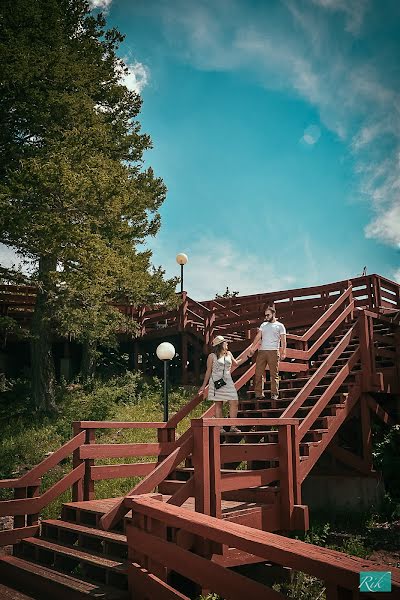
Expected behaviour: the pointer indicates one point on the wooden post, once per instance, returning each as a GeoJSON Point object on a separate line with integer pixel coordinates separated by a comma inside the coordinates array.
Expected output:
{"type": "Point", "coordinates": [88, 483]}
{"type": "Point", "coordinates": [33, 492]}
{"type": "Point", "coordinates": [286, 482]}
{"type": "Point", "coordinates": [165, 436]}
{"type": "Point", "coordinates": [77, 488]}
{"type": "Point", "coordinates": [365, 349]}
{"type": "Point", "coordinates": [184, 359]}
{"type": "Point", "coordinates": [19, 520]}
{"type": "Point", "coordinates": [215, 472]}
{"type": "Point", "coordinates": [201, 464]}
{"type": "Point", "coordinates": [366, 431]}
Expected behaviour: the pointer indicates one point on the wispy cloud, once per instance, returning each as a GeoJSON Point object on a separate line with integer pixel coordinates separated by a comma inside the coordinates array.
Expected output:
{"type": "Point", "coordinates": [215, 264]}
{"type": "Point", "coordinates": [307, 49]}
{"type": "Point", "coordinates": [311, 135]}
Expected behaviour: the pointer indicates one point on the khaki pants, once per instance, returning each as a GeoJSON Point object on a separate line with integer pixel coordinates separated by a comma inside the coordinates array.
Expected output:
{"type": "Point", "coordinates": [264, 358]}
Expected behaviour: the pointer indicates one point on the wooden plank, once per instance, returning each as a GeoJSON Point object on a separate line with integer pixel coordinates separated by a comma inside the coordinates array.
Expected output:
{"type": "Point", "coordinates": [245, 479]}
{"type": "Point", "coordinates": [243, 421]}
{"type": "Point", "coordinates": [240, 452]}
{"type": "Point", "coordinates": [26, 506]}
{"type": "Point", "coordinates": [336, 422]}
{"type": "Point", "coordinates": [380, 412]}
{"type": "Point", "coordinates": [209, 575]}
{"type": "Point", "coordinates": [201, 464]}
{"type": "Point", "coordinates": [286, 475]}
{"type": "Point", "coordinates": [144, 585]}
{"type": "Point", "coordinates": [119, 510]}
{"type": "Point", "coordinates": [326, 564]}
{"type": "Point", "coordinates": [16, 483]}
{"type": "Point", "coordinates": [350, 459]}
{"type": "Point", "coordinates": [329, 331]}
{"type": "Point", "coordinates": [185, 492]}
{"type": "Point", "coordinates": [51, 461]}
{"type": "Point", "coordinates": [121, 425]}
{"type": "Point", "coordinates": [9, 537]}
{"type": "Point", "coordinates": [318, 375]}
{"type": "Point", "coordinates": [124, 450]}
{"type": "Point", "coordinates": [323, 401]}
{"type": "Point", "coordinates": [99, 472]}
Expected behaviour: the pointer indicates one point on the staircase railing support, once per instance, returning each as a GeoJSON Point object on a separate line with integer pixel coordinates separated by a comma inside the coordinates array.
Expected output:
{"type": "Point", "coordinates": [365, 332]}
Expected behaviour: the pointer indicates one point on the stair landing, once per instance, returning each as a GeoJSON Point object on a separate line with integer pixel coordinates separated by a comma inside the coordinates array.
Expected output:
{"type": "Point", "coordinates": [89, 512]}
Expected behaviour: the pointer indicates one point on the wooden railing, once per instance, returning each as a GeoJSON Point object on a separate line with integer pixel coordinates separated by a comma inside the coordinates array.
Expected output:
{"type": "Point", "coordinates": [164, 539]}
{"type": "Point", "coordinates": [210, 484]}
{"type": "Point", "coordinates": [28, 502]}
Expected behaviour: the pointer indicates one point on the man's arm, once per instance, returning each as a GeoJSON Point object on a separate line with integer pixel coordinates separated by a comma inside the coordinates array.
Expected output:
{"type": "Point", "coordinates": [283, 346]}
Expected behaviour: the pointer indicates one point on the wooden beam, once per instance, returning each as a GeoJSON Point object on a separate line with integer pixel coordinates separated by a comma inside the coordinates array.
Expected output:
{"type": "Point", "coordinates": [379, 411]}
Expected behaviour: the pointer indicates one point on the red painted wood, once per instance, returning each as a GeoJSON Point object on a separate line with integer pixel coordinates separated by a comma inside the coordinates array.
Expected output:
{"type": "Point", "coordinates": [323, 401]}
{"type": "Point", "coordinates": [245, 479]}
{"type": "Point", "coordinates": [144, 586]}
{"type": "Point", "coordinates": [215, 472]}
{"type": "Point", "coordinates": [286, 482]}
{"type": "Point", "coordinates": [99, 472]}
{"type": "Point", "coordinates": [122, 450]}
{"type": "Point", "coordinates": [324, 563]}
{"type": "Point", "coordinates": [121, 425]}
{"type": "Point", "coordinates": [113, 516]}
{"type": "Point", "coordinates": [9, 537]}
{"type": "Point", "coordinates": [228, 584]}
{"type": "Point", "coordinates": [319, 374]}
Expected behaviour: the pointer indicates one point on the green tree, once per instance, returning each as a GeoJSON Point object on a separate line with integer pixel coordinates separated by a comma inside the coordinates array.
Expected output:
{"type": "Point", "coordinates": [75, 198]}
{"type": "Point", "coordinates": [227, 294]}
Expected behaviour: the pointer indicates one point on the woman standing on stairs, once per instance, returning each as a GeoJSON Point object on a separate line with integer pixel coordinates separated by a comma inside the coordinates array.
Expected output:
{"type": "Point", "coordinates": [218, 374]}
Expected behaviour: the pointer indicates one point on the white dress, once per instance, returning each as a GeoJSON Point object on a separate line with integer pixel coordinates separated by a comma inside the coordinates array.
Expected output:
{"type": "Point", "coordinates": [228, 391]}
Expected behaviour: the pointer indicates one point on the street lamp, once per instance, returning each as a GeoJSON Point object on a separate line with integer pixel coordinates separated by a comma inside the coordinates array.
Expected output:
{"type": "Point", "coordinates": [165, 352]}
{"type": "Point", "coordinates": [181, 259]}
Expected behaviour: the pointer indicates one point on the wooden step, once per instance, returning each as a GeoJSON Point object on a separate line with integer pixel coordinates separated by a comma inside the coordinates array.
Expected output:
{"type": "Point", "coordinates": [97, 540]}
{"type": "Point", "coordinates": [44, 583]}
{"type": "Point", "coordinates": [7, 593]}
{"type": "Point", "coordinates": [70, 559]}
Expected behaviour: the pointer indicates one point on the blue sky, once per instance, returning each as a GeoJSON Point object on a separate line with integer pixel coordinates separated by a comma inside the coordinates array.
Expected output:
{"type": "Point", "coordinates": [276, 128]}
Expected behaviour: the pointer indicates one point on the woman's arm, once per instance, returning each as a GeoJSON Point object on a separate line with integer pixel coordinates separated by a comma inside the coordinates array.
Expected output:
{"type": "Point", "coordinates": [238, 361]}
{"type": "Point", "coordinates": [207, 373]}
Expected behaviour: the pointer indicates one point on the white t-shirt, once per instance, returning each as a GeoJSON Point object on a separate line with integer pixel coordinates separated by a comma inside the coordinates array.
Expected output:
{"type": "Point", "coordinates": [271, 335]}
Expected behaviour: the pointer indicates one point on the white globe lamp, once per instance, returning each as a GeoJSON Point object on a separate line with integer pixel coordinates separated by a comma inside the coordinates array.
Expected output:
{"type": "Point", "coordinates": [165, 352]}
{"type": "Point", "coordinates": [181, 259]}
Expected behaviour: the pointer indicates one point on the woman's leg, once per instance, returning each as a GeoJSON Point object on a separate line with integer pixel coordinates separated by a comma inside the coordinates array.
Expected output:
{"type": "Point", "coordinates": [233, 409]}
{"type": "Point", "coordinates": [218, 410]}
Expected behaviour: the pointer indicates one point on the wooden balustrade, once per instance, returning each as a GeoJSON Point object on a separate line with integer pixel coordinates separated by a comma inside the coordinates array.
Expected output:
{"type": "Point", "coordinates": [188, 541]}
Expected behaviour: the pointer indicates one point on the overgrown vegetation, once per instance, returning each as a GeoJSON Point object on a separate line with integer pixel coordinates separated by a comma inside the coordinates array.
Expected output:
{"type": "Point", "coordinates": [26, 438]}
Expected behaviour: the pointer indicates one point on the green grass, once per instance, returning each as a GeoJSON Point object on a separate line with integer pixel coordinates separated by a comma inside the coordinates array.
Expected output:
{"type": "Point", "coordinates": [26, 438]}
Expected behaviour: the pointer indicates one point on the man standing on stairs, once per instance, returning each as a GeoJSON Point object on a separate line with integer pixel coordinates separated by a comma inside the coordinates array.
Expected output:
{"type": "Point", "coordinates": [272, 349]}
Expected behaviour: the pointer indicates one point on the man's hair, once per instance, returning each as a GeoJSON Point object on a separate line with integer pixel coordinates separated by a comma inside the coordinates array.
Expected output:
{"type": "Point", "coordinates": [270, 306]}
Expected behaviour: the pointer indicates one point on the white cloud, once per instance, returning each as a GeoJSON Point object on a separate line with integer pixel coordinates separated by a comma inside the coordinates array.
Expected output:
{"type": "Point", "coordinates": [302, 49]}
{"type": "Point", "coordinates": [311, 135]}
{"type": "Point", "coordinates": [386, 226]}
{"type": "Point", "coordinates": [396, 276]}
{"type": "Point", "coordinates": [215, 264]}
{"type": "Point", "coordinates": [138, 76]}
{"type": "Point", "coordinates": [103, 5]}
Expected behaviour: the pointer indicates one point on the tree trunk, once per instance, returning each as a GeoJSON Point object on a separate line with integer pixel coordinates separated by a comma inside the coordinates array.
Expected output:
{"type": "Point", "coordinates": [89, 359]}
{"type": "Point", "coordinates": [43, 374]}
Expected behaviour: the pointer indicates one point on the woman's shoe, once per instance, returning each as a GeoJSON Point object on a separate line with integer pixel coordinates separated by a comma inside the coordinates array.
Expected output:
{"type": "Point", "coordinates": [235, 429]}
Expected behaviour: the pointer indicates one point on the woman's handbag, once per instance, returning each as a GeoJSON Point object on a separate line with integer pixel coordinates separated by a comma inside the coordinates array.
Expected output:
{"type": "Point", "coordinates": [219, 383]}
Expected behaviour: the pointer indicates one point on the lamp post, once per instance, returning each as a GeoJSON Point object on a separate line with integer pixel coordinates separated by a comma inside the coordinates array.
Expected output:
{"type": "Point", "coordinates": [181, 259]}
{"type": "Point", "coordinates": [165, 352]}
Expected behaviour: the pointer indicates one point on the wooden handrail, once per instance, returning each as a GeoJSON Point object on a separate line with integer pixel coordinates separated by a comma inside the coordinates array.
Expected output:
{"type": "Point", "coordinates": [333, 567]}
{"type": "Point", "coordinates": [48, 463]}
{"type": "Point", "coordinates": [298, 400]}
{"type": "Point", "coordinates": [113, 516]}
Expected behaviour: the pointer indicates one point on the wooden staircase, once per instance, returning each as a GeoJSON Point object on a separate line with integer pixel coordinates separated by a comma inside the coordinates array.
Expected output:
{"type": "Point", "coordinates": [250, 476]}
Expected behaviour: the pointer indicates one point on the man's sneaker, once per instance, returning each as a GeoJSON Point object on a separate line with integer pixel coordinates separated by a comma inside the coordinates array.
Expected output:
{"type": "Point", "coordinates": [274, 396]}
